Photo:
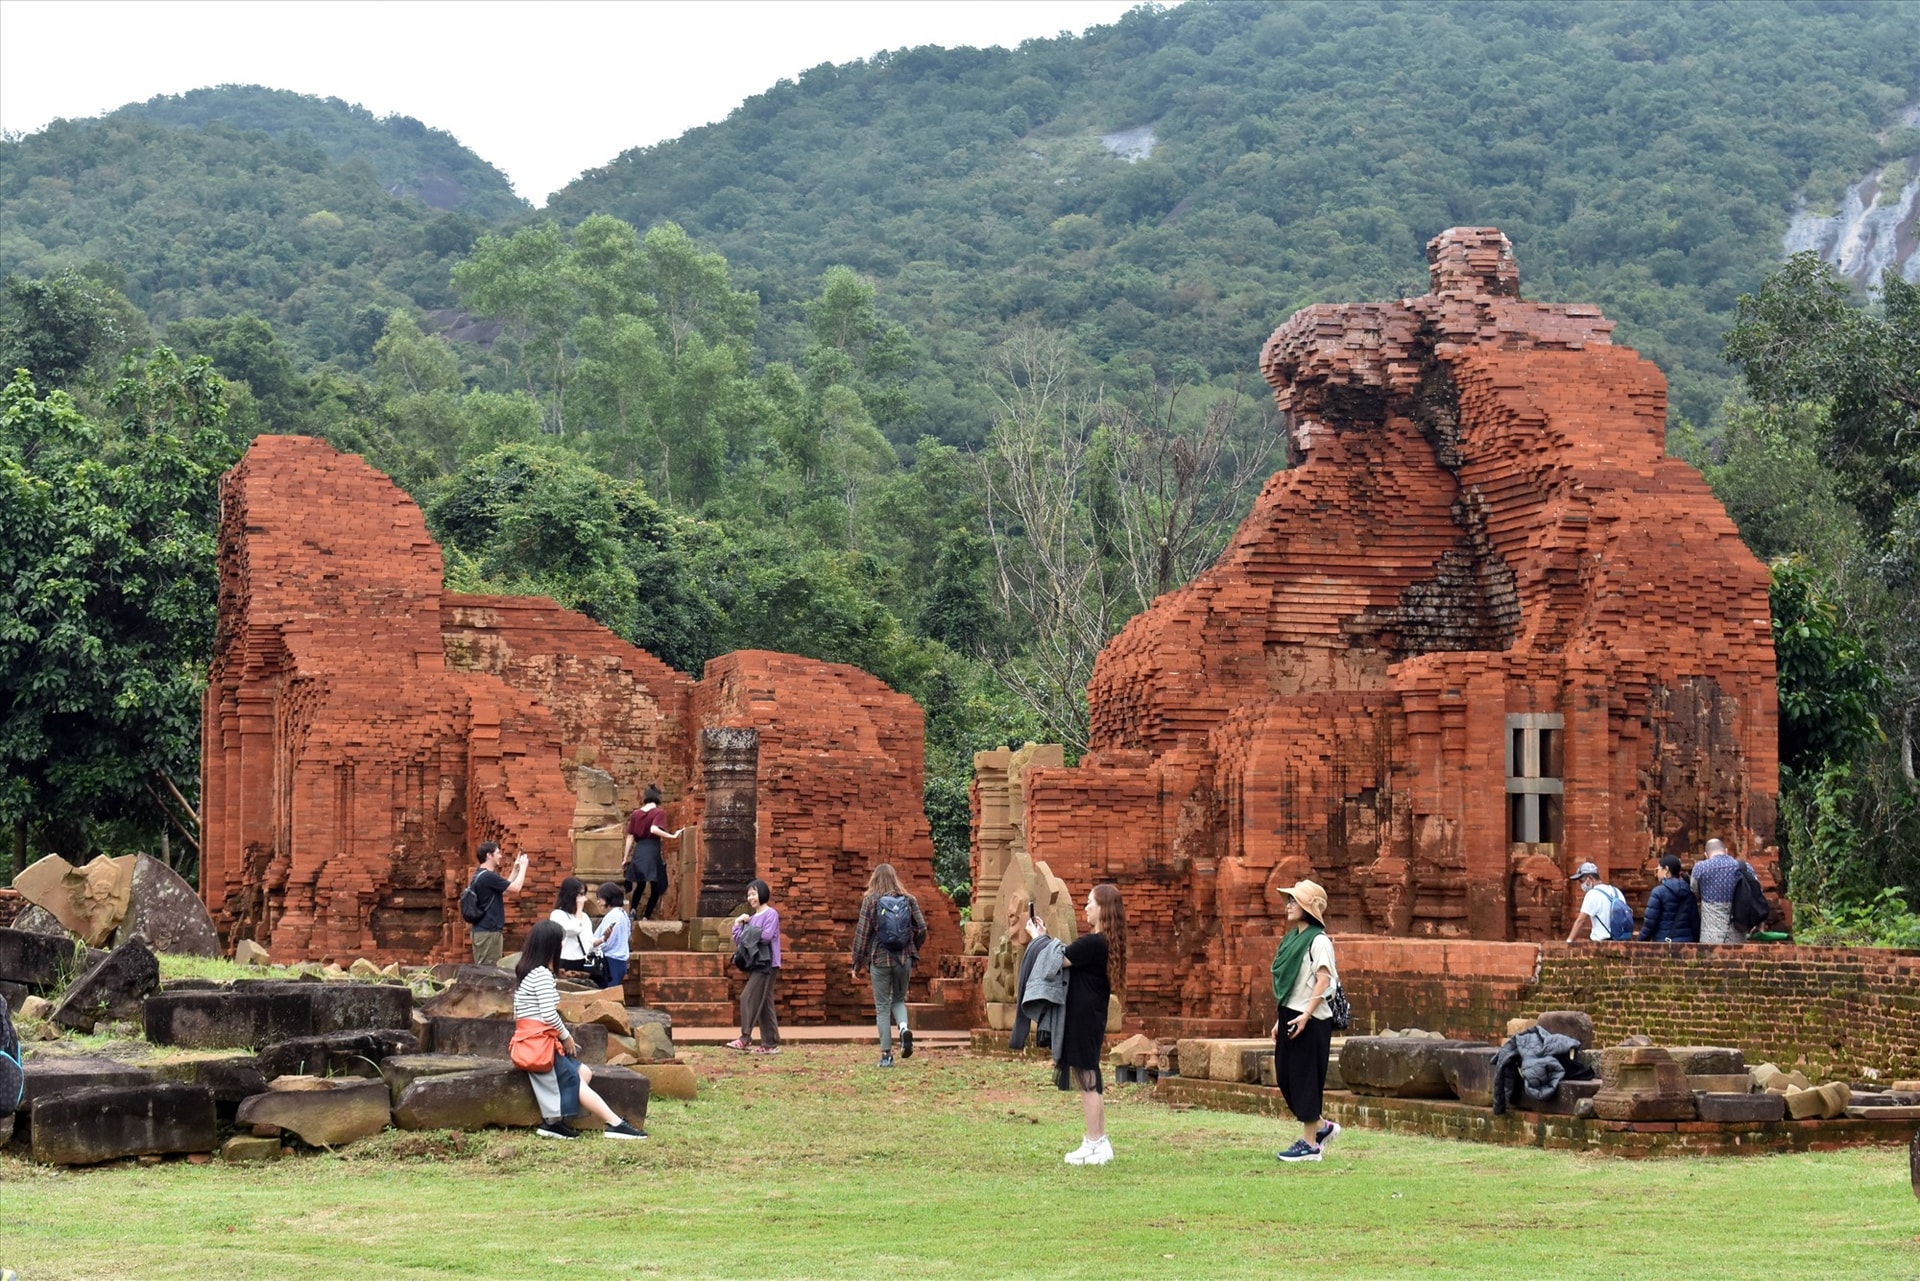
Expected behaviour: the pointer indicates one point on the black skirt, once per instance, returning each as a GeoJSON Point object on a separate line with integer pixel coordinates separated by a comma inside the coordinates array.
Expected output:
{"type": "Point", "coordinates": [1300, 1064]}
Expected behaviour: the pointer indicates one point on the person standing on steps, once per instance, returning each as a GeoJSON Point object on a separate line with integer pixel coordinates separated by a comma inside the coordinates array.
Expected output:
{"type": "Point", "coordinates": [756, 999]}
{"type": "Point", "coordinates": [644, 863]}
{"type": "Point", "coordinates": [886, 943]}
{"type": "Point", "coordinates": [566, 1087]}
{"type": "Point", "coordinates": [610, 940]}
{"type": "Point", "coordinates": [570, 914]}
{"type": "Point", "coordinates": [1714, 879]}
{"type": "Point", "coordinates": [1096, 965]}
{"type": "Point", "coordinates": [491, 889]}
{"type": "Point", "coordinates": [1303, 977]}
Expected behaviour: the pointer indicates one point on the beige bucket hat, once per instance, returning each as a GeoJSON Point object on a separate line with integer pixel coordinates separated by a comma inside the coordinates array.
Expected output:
{"type": "Point", "coordinates": [1311, 898]}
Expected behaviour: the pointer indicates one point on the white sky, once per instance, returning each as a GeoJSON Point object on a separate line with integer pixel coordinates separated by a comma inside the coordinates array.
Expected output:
{"type": "Point", "coordinates": [543, 90]}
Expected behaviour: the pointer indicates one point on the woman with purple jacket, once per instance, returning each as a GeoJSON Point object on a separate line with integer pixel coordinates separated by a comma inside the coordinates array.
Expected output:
{"type": "Point", "coordinates": [756, 999]}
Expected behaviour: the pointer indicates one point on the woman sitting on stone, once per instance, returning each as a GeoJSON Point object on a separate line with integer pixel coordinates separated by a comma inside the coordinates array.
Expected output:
{"type": "Point", "coordinates": [1303, 978]}
{"type": "Point", "coordinates": [570, 914]}
{"type": "Point", "coordinates": [566, 1088]}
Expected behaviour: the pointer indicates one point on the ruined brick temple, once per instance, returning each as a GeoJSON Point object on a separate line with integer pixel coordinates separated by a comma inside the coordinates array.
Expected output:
{"type": "Point", "coordinates": [1482, 629]}
{"type": "Point", "coordinates": [365, 729]}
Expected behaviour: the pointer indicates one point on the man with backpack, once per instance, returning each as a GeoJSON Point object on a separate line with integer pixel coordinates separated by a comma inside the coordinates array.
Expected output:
{"type": "Point", "coordinates": [1731, 900]}
{"type": "Point", "coordinates": [483, 904]}
{"type": "Point", "coordinates": [1602, 908]}
{"type": "Point", "coordinates": [886, 941]}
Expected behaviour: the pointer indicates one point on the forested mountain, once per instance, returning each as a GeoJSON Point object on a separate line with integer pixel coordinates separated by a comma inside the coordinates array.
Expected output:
{"type": "Point", "coordinates": [410, 158]}
{"type": "Point", "coordinates": [1645, 157]}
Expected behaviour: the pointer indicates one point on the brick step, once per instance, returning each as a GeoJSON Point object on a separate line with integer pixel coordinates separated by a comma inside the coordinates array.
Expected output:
{"type": "Point", "coordinates": [679, 965]}
{"type": "Point", "coordinates": [933, 1016]}
{"type": "Point", "coordinates": [664, 992]}
{"type": "Point", "coordinates": [703, 1013]}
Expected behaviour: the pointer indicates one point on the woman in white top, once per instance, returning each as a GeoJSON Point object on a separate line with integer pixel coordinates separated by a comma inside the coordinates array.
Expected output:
{"type": "Point", "coordinates": [1303, 978]}
{"type": "Point", "coordinates": [570, 914]}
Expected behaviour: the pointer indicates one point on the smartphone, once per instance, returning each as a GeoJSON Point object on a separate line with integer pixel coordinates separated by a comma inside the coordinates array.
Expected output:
{"type": "Point", "coordinates": [1030, 915]}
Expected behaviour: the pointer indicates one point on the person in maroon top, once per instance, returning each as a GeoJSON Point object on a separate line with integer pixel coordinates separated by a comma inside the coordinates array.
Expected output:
{"type": "Point", "coordinates": [644, 865]}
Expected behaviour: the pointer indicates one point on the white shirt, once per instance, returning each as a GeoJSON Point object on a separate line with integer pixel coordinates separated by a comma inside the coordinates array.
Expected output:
{"type": "Point", "coordinates": [1319, 957]}
{"type": "Point", "coordinates": [579, 939]}
{"type": "Point", "coordinates": [1598, 905]}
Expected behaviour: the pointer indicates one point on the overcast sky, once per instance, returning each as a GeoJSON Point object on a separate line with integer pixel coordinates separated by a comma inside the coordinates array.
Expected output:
{"type": "Point", "coordinates": [543, 90]}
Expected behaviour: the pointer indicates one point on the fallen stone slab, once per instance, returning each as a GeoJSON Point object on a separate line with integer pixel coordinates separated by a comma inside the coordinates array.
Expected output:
{"type": "Point", "coordinates": [477, 992]}
{"type": "Point", "coordinates": [1577, 1024]}
{"type": "Point", "coordinates": [38, 920]}
{"type": "Point", "coordinates": [1468, 1071]}
{"type": "Point", "coordinates": [47, 1074]}
{"type": "Point", "coordinates": [649, 1043]}
{"type": "Point", "coordinates": [1740, 1107]}
{"type": "Point", "coordinates": [105, 1123]}
{"type": "Point", "coordinates": [1708, 1060]}
{"type": "Point", "coordinates": [113, 989]}
{"type": "Point", "coordinates": [327, 1114]}
{"type": "Point", "coordinates": [167, 912]}
{"type": "Point", "coordinates": [402, 1070]}
{"type": "Point", "coordinates": [500, 1095]}
{"type": "Point", "coordinates": [1405, 1067]}
{"type": "Point", "coordinates": [1719, 1083]}
{"type": "Point", "coordinates": [336, 1053]}
{"type": "Point", "coordinates": [489, 1038]}
{"type": "Point", "coordinates": [1803, 1105]}
{"type": "Point", "coordinates": [89, 901]}
{"type": "Point", "coordinates": [41, 962]}
{"type": "Point", "coordinates": [261, 1012]}
{"type": "Point", "coordinates": [15, 995]}
{"type": "Point", "coordinates": [1892, 1112]}
{"type": "Point", "coordinates": [669, 1080]}
{"type": "Point", "coordinates": [232, 1080]}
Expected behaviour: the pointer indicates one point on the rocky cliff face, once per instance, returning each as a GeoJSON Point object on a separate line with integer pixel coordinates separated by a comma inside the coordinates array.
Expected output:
{"type": "Point", "coordinates": [1877, 226]}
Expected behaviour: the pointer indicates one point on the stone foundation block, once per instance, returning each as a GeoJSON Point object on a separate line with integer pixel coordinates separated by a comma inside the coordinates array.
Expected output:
{"type": "Point", "coordinates": [402, 1070]}
{"type": "Point", "coordinates": [105, 1123]}
{"type": "Point", "coordinates": [1469, 1073]}
{"type": "Point", "coordinates": [336, 1053]}
{"type": "Point", "coordinates": [1577, 1024]}
{"type": "Point", "coordinates": [242, 1148]}
{"type": "Point", "coordinates": [500, 1095]}
{"type": "Point", "coordinates": [1403, 1067]}
{"type": "Point", "coordinates": [46, 1075]}
{"type": "Point", "coordinates": [669, 1080]}
{"type": "Point", "coordinates": [1642, 1083]}
{"type": "Point", "coordinates": [112, 989]}
{"type": "Point", "coordinates": [1740, 1107]}
{"type": "Point", "coordinates": [1719, 1083]}
{"type": "Point", "coordinates": [232, 1080]}
{"type": "Point", "coordinates": [38, 961]}
{"type": "Point", "coordinates": [337, 1112]}
{"type": "Point", "coordinates": [489, 1038]}
{"type": "Point", "coordinates": [477, 992]}
{"type": "Point", "coordinates": [1708, 1060]}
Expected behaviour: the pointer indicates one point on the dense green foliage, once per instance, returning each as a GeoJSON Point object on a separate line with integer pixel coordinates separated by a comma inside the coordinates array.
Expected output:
{"type": "Point", "coordinates": [1821, 471]}
{"type": "Point", "coordinates": [1643, 157]}
{"type": "Point", "coordinates": [410, 158]}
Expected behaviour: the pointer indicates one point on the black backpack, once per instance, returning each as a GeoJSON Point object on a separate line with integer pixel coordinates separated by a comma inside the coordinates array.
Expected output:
{"type": "Point", "coordinates": [1749, 909]}
{"type": "Point", "coordinates": [472, 910]}
{"type": "Point", "coordinates": [896, 923]}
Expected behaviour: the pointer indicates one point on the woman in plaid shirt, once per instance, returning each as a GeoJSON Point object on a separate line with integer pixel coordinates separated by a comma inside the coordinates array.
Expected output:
{"type": "Point", "coordinates": [886, 942]}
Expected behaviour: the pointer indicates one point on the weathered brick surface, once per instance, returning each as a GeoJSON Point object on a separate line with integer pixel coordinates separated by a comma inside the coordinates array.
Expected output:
{"type": "Point", "coordinates": [365, 730]}
{"type": "Point", "coordinates": [1481, 522]}
{"type": "Point", "coordinates": [1838, 1009]}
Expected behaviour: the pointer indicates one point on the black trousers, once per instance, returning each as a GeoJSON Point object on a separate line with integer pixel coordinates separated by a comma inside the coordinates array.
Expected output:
{"type": "Point", "coordinates": [1300, 1064]}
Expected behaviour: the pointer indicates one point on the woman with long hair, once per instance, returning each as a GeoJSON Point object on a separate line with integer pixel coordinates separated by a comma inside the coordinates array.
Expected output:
{"type": "Point", "coordinates": [1303, 978]}
{"type": "Point", "coordinates": [566, 1087]}
{"type": "Point", "coordinates": [1096, 965]}
{"type": "Point", "coordinates": [886, 942]}
{"type": "Point", "coordinates": [576, 927]}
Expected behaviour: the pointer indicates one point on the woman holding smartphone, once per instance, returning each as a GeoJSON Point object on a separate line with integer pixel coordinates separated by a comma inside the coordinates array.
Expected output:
{"type": "Point", "coordinates": [1096, 965]}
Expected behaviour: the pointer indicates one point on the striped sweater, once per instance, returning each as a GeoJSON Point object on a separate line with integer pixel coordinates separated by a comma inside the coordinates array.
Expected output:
{"type": "Point", "coordinates": [538, 997]}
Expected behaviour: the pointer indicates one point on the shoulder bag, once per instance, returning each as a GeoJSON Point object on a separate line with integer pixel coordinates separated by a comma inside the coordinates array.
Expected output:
{"type": "Point", "coordinates": [534, 1045]}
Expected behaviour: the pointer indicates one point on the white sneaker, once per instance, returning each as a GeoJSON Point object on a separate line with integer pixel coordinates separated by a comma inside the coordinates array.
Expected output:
{"type": "Point", "coordinates": [1101, 1154]}
{"type": "Point", "coordinates": [1080, 1154]}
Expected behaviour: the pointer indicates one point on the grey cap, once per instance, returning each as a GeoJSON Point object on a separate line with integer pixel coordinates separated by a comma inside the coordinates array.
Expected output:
{"type": "Point", "coordinates": [1586, 869]}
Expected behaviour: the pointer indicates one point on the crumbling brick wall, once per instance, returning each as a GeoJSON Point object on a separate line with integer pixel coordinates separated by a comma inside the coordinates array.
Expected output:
{"type": "Point", "coordinates": [365, 730]}
{"type": "Point", "coordinates": [1481, 534]}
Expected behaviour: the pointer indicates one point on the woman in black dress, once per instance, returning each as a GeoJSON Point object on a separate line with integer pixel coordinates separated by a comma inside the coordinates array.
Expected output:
{"type": "Point", "coordinates": [1096, 965]}
{"type": "Point", "coordinates": [644, 862]}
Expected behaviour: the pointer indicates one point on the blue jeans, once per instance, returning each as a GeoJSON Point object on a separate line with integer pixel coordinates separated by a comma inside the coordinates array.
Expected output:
{"type": "Point", "coordinates": [889, 997]}
{"type": "Point", "coordinates": [616, 971]}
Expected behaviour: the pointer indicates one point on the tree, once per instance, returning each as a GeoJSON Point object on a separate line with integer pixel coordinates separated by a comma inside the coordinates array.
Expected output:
{"type": "Point", "coordinates": [107, 562]}
{"type": "Point", "coordinates": [62, 326]}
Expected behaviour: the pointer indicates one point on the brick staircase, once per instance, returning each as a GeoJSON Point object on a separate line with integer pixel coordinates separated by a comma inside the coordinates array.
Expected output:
{"type": "Point", "coordinates": [701, 989]}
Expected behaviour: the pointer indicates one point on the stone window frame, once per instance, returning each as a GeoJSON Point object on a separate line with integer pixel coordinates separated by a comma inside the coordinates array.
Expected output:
{"type": "Point", "coordinates": [1536, 765]}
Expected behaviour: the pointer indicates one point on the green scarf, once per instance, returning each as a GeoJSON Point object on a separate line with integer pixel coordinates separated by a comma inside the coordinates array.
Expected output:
{"type": "Point", "coordinates": [1288, 956]}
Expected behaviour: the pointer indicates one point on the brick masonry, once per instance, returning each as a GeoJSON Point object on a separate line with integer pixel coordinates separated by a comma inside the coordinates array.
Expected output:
{"type": "Point", "coordinates": [1837, 1010]}
{"type": "Point", "coordinates": [1481, 524]}
{"type": "Point", "coordinates": [364, 730]}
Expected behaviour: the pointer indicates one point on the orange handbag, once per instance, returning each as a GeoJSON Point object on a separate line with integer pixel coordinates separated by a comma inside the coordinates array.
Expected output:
{"type": "Point", "coordinates": [534, 1044]}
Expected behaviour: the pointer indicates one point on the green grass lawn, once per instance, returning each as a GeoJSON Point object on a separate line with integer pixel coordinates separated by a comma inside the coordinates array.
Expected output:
{"type": "Point", "coordinates": [815, 1164]}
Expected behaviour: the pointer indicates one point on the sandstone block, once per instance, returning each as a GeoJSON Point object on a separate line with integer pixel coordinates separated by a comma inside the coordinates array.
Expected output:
{"type": "Point", "coordinates": [31, 1007]}
{"type": "Point", "coordinates": [39, 962]}
{"type": "Point", "coordinates": [228, 1019]}
{"type": "Point", "coordinates": [38, 920]}
{"type": "Point", "coordinates": [489, 1038]}
{"type": "Point", "coordinates": [88, 901]}
{"type": "Point", "coordinates": [1577, 1024]}
{"type": "Point", "coordinates": [248, 952]}
{"type": "Point", "coordinates": [1236, 1060]}
{"type": "Point", "coordinates": [1719, 1083]}
{"type": "Point", "coordinates": [1835, 1096]}
{"type": "Point", "coordinates": [499, 1095]}
{"type": "Point", "coordinates": [1403, 1067]}
{"type": "Point", "coordinates": [658, 936]}
{"type": "Point", "coordinates": [1740, 1107]}
{"type": "Point", "coordinates": [327, 1115]}
{"type": "Point", "coordinates": [231, 1080]}
{"type": "Point", "coordinates": [47, 1074]}
{"type": "Point", "coordinates": [650, 1043]}
{"type": "Point", "coordinates": [477, 992]}
{"type": "Point", "coordinates": [336, 1053]}
{"type": "Point", "coordinates": [402, 1070]}
{"type": "Point", "coordinates": [104, 1123]}
{"type": "Point", "coordinates": [1516, 1026]}
{"type": "Point", "coordinates": [670, 1080]}
{"type": "Point", "coordinates": [244, 1148]}
{"type": "Point", "coordinates": [1804, 1105]}
{"type": "Point", "coordinates": [1708, 1060]}
{"type": "Point", "coordinates": [113, 989]}
{"type": "Point", "coordinates": [1469, 1073]}
{"type": "Point", "coordinates": [1642, 1083]}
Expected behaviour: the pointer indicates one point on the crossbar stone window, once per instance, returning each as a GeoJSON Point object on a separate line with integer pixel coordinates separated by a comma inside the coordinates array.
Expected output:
{"type": "Point", "coordinates": [1535, 747]}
